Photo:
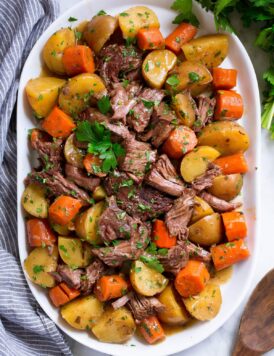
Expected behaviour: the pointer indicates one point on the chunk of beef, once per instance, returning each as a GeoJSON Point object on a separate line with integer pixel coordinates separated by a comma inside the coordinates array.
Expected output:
{"type": "Point", "coordinates": [57, 185]}
{"type": "Point", "coordinates": [123, 100]}
{"type": "Point", "coordinates": [161, 125]}
{"type": "Point", "coordinates": [50, 152]}
{"type": "Point", "coordinates": [78, 176]}
{"type": "Point", "coordinates": [206, 180]}
{"type": "Point", "coordinates": [204, 112]}
{"type": "Point", "coordinates": [91, 114]}
{"type": "Point", "coordinates": [197, 253]}
{"type": "Point", "coordinates": [92, 273]}
{"type": "Point", "coordinates": [178, 216]}
{"type": "Point", "coordinates": [142, 307]}
{"type": "Point", "coordinates": [164, 177]}
{"type": "Point", "coordinates": [114, 223]}
{"type": "Point", "coordinates": [219, 204]}
{"type": "Point", "coordinates": [115, 59]}
{"type": "Point", "coordinates": [119, 303]}
{"type": "Point", "coordinates": [70, 276]}
{"type": "Point", "coordinates": [176, 258]}
{"type": "Point", "coordinates": [142, 111]}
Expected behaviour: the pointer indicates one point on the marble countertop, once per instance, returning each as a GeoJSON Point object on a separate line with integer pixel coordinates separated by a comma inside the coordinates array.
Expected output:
{"type": "Point", "coordinates": [221, 342]}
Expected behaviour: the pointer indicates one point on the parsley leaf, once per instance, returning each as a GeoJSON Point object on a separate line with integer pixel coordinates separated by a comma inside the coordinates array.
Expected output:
{"type": "Point", "coordinates": [148, 103]}
{"type": "Point", "coordinates": [184, 7]}
{"type": "Point", "coordinates": [152, 262]}
{"type": "Point", "coordinates": [38, 269]}
{"type": "Point", "coordinates": [193, 77]}
{"type": "Point", "coordinates": [173, 80]}
{"type": "Point", "coordinates": [104, 104]}
{"type": "Point", "coordinates": [72, 19]}
{"type": "Point", "coordinates": [101, 13]}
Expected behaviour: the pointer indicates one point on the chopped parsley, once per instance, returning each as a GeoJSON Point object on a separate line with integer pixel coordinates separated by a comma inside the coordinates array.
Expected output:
{"type": "Point", "coordinates": [173, 80]}
{"type": "Point", "coordinates": [152, 262]}
{"type": "Point", "coordinates": [104, 104]}
{"type": "Point", "coordinates": [72, 19]}
{"type": "Point", "coordinates": [148, 103]}
{"type": "Point", "coordinates": [101, 13]}
{"type": "Point", "coordinates": [193, 77]}
{"type": "Point", "coordinates": [38, 269]}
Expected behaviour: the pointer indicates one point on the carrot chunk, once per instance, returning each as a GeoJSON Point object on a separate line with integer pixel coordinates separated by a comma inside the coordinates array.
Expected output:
{"type": "Point", "coordinates": [64, 209]}
{"type": "Point", "coordinates": [151, 329]}
{"type": "Point", "coordinates": [180, 141]}
{"type": "Point", "coordinates": [109, 287]}
{"type": "Point", "coordinates": [150, 38]}
{"type": "Point", "coordinates": [72, 293]}
{"type": "Point", "coordinates": [39, 233]}
{"type": "Point", "coordinates": [62, 294]}
{"type": "Point", "coordinates": [161, 236]}
{"type": "Point", "coordinates": [235, 225]}
{"type": "Point", "coordinates": [232, 164]}
{"type": "Point", "coordinates": [192, 279]}
{"type": "Point", "coordinates": [78, 59]}
{"type": "Point", "coordinates": [224, 78]}
{"type": "Point", "coordinates": [229, 105]}
{"type": "Point", "coordinates": [181, 35]}
{"type": "Point", "coordinates": [93, 165]}
{"type": "Point", "coordinates": [225, 255]}
{"type": "Point", "coordinates": [58, 123]}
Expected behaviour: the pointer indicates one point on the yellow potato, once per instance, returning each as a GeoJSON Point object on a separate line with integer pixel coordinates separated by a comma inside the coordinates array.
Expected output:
{"type": "Point", "coordinates": [42, 94]}
{"type": "Point", "coordinates": [62, 230]}
{"type": "Point", "coordinates": [183, 105]}
{"type": "Point", "coordinates": [227, 187]}
{"type": "Point", "coordinates": [74, 252]}
{"type": "Point", "coordinates": [207, 231]}
{"type": "Point", "coordinates": [145, 280]}
{"type": "Point", "coordinates": [76, 94]}
{"type": "Point", "coordinates": [83, 313]}
{"type": "Point", "coordinates": [116, 326]}
{"type": "Point", "coordinates": [210, 50]}
{"type": "Point", "coordinates": [226, 136]}
{"type": "Point", "coordinates": [99, 30]}
{"type": "Point", "coordinates": [135, 18]}
{"type": "Point", "coordinates": [156, 66]}
{"type": "Point", "coordinates": [34, 201]}
{"type": "Point", "coordinates": [72, 153]}
{"type": "Point", "coordinates": [207, 304]}
{"type": "Point", "coordinates": [200, 210]}
{"type": "Point", "coordinates": [175, 312]}
{"type": "Point", "coordinates": [195, 163]}
{"type": "Point", "coordinates": [39, 263]}
{"type": "Point", "coordinates": [86, 224]}
{"type": "Point", "coordinates": [99, 193]}
{"type": "Point", "coordinates": [54, 49]}
{"type": "Point", "coordinates": [189, 75]}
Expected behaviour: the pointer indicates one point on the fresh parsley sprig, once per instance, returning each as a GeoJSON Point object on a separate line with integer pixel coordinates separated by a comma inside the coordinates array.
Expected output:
{"type": "Point", "coordinates": [99, 143]}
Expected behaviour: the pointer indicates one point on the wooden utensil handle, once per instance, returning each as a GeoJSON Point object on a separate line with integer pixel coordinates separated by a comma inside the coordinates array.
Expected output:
{"type": "Point", "coordinates": [241, 350]}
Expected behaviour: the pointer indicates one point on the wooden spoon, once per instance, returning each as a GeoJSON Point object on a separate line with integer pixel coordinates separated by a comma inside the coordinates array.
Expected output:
{"type": "Point", "coordinates": [256, 332]}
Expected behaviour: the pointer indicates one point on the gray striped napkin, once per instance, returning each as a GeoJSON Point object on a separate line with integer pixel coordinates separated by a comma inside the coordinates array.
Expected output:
{"type": "Point", "coordinates": [24, 328]}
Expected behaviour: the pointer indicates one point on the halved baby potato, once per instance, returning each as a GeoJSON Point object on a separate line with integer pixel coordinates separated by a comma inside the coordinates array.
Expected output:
{"type": "Point", "coordinates": [83, 313]}
{"type": "Point", "coordinates": [116, 326]}
{"type": "Point", "coordinates": [99, 30]}
{"type": "Point", "coordinates": [175, 312]}
{"type": "Point", "coordinates": [74, 252]}
{"type": "Point", "coordinates": [156, 66]}
{"type": "Point", "coordinates": [184, 106]}
{"type": "Point", "coordinates": [99, 193]}
{"type": "Point", "coordinates": [225, 136]}
{"type": "Point", "coordinates": [72, 153]}
{"type": "Point", "coordinates": [207, 231]}
{"type": "Point", "coordinates": [86, 224]}
{"type": "Point", "coordinates": [227, 187]}
{"type": "Point", "coordinates": [145, 280]}
{"type": "Point", "coordinates": [38, 263]}
{"type": "Point", "coordinates": [195, 163]}
{"type": "Point", "coordinates": [201, 209]}
{"type": "Point", "coordinates": [207, 304]}
{"type": "Point", "coordinates": [42, 94]}
{"type": "Point", "coordinates": [190, 75]}
{"type": "Point", "coordinates": [210, 50]}
{"type": "Point", "coordinates": [54, 49]}
{"type": "Point", "coordinates": [34, 201]}
{"type": "Point", "coordinates": [135, 18]}
{"type": "Point", "coordinates": [76, 94]}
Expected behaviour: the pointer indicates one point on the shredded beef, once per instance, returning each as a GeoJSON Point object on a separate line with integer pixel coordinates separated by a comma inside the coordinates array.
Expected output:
{"type": "Point", "coordinates": [197, 252]}
{"type": "Point", "coordinates": [219, 204]}
{"type": "Point", "coordinates": [142, 307]}
{"type": "Point", "coordinates": [79, 177]}
{"type": "Point", "coordinates": [57, 185]}
{"type": "Point", "coordinates": [204, 112]}
{"type": "Point", "coordinates": [142, 111]}
{"type": "Point", "coordinates": [178, 216]}
{"type": "Point", "coordinates": [91, 114]}
{"type": "Point", "coordinates": [115, 59]}
{"type": "Point", "coordinates": [164, 177]}
{"type": "Point", "coordinates": [119, 303]}
{"type": "Point", "coordinates": [176, 258]}
{"type": "Point", "coordinates": [92, 273]}
{"type": "Point", "coordinates": [70, 276]}
{"type": "Point", "coordinates": [206, 180]}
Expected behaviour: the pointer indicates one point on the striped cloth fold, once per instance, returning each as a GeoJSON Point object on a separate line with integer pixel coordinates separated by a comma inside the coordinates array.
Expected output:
{"type": "Point", "coordinates": [24, 328]}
